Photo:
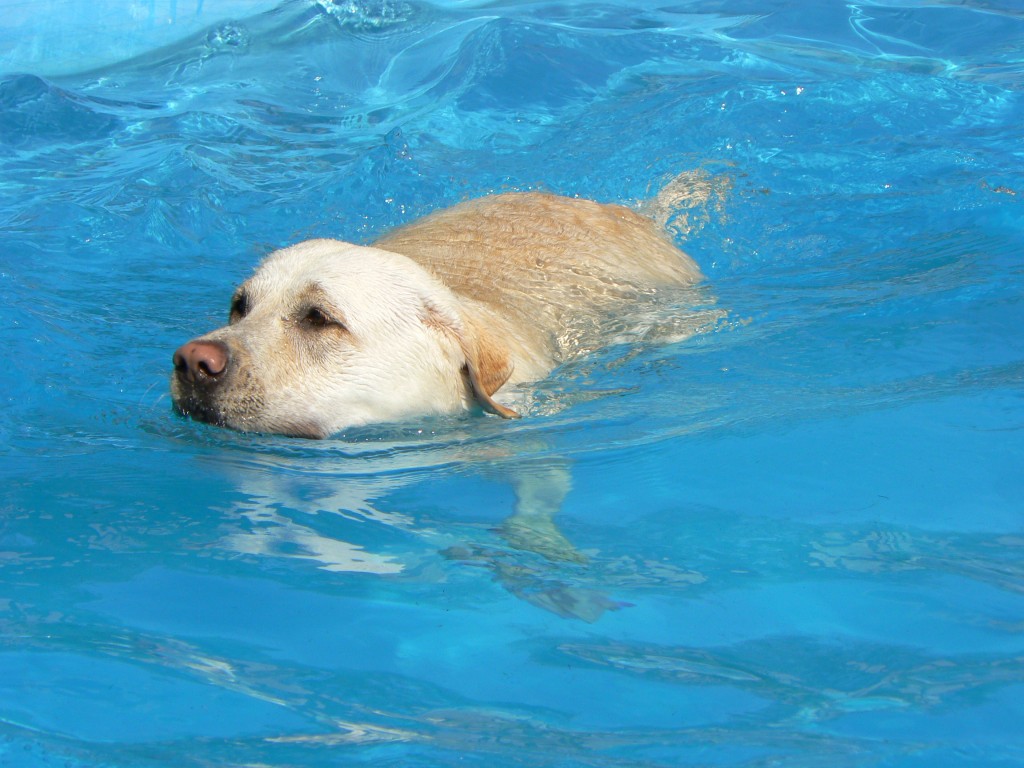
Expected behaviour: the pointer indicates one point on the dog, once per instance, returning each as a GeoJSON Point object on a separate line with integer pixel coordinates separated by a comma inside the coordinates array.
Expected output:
{"type": "Point", "coordinates": [441, 315]}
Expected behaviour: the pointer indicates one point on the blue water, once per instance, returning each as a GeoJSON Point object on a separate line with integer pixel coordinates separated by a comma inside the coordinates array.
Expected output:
{"type": "Point", "coordinates": [803, 529]}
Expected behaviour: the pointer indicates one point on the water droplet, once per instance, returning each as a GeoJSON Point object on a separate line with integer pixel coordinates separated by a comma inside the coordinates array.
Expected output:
{"type": "Point", "coordinates": [228, 37]}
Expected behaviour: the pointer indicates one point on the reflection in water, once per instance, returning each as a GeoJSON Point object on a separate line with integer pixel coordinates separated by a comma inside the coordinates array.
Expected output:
{"type": "Point", "coordinates": [275, 535]}
{"type": "Point", "coordinates": [272, 499]}
{"type": "Point", "coordinates": [805, 680]}
{"type": "Point", "coordinates": [533, 569]}
{"type": "Point", "coordinates": [809, 678]}
{"type": "Point", "coordinates": [889, 550]}
{"type": "Point", "coordinates": [553, 587]}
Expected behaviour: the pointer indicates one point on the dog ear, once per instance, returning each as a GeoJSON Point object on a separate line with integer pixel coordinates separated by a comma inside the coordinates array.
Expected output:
{"type": "Point", "coordinates": [488, 368]}
{"type": "Point", "coordinates": [487, 365]}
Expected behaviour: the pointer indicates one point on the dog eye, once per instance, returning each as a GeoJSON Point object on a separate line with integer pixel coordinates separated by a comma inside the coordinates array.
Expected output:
{"type": "Point", "coordinates": [239, 308]}
{"type": "Point", "coordinates": [317, 318]}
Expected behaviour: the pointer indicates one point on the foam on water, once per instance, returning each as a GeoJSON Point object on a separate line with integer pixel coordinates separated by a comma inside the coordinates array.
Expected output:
{"type": "Point", "coordinates": [794, 538]}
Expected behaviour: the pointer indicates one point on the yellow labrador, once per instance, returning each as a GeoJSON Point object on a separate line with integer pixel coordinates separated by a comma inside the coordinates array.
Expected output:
{"type": "Point", "coordinates": [436, 317]}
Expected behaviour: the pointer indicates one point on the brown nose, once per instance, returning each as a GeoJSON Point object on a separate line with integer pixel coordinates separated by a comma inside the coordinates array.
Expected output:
{"type": "Point", "coordinates": [201, 362]}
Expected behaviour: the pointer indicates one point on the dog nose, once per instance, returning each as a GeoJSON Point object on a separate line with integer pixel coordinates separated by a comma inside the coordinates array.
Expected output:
{"type": "Point", "coordinates": [201, 362]}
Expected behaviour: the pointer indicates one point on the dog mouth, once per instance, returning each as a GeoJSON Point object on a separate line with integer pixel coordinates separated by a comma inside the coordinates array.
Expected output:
{"type": "Point", "coordinates": [198, 409]}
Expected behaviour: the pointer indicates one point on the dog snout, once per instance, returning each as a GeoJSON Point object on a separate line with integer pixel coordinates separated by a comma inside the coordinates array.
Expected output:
{"type": "Point", "coordinates": [202, 363]}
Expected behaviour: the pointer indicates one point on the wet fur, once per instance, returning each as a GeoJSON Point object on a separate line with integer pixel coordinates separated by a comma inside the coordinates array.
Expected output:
{"type": "Point", "coordinates": [436, 316]}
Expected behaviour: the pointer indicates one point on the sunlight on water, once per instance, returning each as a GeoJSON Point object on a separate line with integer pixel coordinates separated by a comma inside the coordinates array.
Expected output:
{"type": "Point", "coordinates": [794, 538]}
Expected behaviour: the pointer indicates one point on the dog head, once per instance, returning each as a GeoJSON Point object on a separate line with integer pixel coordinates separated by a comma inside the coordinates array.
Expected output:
{"type": "Point", "coordinates": [327, 335]}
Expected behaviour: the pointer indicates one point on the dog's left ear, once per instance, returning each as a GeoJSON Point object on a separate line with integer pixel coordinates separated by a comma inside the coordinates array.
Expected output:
{"type": "Point", "coordinates": [487, 364]}
{"type": "Point", "coordinates": [488, 368]}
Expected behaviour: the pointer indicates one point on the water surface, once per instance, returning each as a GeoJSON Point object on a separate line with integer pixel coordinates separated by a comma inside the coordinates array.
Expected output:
{"type": "Point", "coordinates": [801, 531]}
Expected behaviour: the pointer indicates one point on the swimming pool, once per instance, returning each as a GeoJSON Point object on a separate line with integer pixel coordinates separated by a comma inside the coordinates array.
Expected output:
{"type": "Point", "coordinates": [802, 529]}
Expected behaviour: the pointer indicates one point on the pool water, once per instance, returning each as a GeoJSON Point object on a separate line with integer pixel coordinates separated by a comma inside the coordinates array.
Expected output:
{"type": "Point", "coordinates": [797, 538]}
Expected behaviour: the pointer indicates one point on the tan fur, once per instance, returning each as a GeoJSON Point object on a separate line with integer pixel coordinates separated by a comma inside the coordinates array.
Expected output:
{"type": "Point", "coordinates": [535, 266]}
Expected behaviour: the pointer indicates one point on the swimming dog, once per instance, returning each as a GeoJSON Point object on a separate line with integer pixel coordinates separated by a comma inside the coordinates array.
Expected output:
{"type": "Point", "coordinates": [438, 316]}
